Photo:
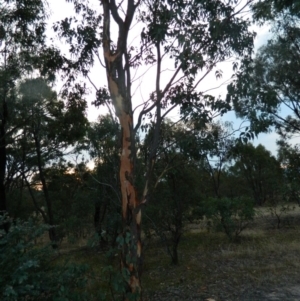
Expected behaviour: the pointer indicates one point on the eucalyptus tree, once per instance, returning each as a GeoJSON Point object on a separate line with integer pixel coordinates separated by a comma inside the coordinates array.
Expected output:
{"type": "Point", "coordinates": [289, 158]}
{"type": "Point", "coordinates": [217, 141]}
{"type": "Point", "coordinates": [22, 35]}
{"type": "Point", "coordinates": [194, 36]}
{"type": "Point", "coordinates": [68, 188]}
{"type": "Point", "coordinates": [47, 129]}
{"type": "Point", "coordinates": [260, 170]}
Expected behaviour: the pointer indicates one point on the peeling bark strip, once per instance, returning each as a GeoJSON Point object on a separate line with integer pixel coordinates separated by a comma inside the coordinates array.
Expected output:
{"type": "Point", "coordinates": [118, 78]}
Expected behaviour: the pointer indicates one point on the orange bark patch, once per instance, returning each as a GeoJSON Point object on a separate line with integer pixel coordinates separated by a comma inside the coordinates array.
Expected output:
{"type": "Point", "coordinates": [126, 168]}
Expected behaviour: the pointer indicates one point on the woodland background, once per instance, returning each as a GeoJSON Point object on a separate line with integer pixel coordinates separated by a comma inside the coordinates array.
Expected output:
{"type": "Point", "coordinates": [207, 197]}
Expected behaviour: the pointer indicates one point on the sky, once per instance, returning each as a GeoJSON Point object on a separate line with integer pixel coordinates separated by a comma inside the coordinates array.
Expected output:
{"type": "Point", "coordinates": [60, 10]}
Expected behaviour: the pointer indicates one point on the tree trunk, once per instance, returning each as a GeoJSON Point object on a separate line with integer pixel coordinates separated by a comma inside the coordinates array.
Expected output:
{"type": "Point", "coordinates": [97, 223]}
{"type": "Point", "coordinates": [131, 211]}
{"type": "Point", "coordinates": [177, 222]}
{"type": "Point", "coordinates": [99, 214]}
{"type": "Point", "coordinates": [52, 230]}
{"type": "Point", "coordinates": [175, 250]}
{"type": "Point", "coordinates": [119, 84]}
{"type": "Point", "coordinates": [38, 209]}
{"type": "Point", "coordinates": [3, 204]}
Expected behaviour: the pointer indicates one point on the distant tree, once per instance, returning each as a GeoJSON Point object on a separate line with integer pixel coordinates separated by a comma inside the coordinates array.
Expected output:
{"type": "Point", "coordinates": [289, 158]}
{"type": "Point", "coordinates": [216, 146]}
{"type": "Point", "coordinates": [71, 198]}
{"type": "Point", "coordinates": [47, 127]}
{"type": "Point", "coordinates": [22, 36]}
{"type": "Point", "coordinates": [176, 188]}
{"type": "Point", "coordinates": [104, 148]}
{"type": "Point", "coordinates": [260, 169]}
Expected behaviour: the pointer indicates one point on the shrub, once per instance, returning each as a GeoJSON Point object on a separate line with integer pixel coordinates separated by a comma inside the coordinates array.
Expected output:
{"type": "Point", "coordinates": [231, 215]}
{"type": "Point", "coordinates": [29, 272]}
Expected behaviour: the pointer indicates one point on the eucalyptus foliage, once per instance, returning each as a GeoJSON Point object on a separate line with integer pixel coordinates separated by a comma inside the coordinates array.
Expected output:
{"type": "Point", "coordinates": [266, 87]}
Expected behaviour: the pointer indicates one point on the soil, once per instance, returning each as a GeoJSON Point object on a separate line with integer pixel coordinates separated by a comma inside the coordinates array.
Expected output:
{"type": "Point", "coordinates": [265, 266]}
{"type": "Point", "coordinates": [215, 293]}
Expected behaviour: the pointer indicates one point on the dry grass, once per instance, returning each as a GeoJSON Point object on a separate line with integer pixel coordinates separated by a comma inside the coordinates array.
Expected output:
{"type": "Point", "coordinates": [211, 267]}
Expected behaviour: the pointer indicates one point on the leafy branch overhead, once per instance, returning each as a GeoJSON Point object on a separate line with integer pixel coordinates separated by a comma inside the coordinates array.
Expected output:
{"type": "Point", "coordinates": [266, 88]}
{"type": "Point", "coordinates": [213, 33]}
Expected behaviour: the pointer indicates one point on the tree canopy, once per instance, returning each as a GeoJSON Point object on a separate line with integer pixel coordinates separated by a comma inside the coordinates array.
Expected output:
{"type": "Point", "coordinates": [266, 88]}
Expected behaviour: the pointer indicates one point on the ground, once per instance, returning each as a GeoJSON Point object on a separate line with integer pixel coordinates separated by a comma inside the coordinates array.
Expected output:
{"type": "Point", "coordinates": [258, 294]}
{"type": "Point", "coordinates": [263, 266]}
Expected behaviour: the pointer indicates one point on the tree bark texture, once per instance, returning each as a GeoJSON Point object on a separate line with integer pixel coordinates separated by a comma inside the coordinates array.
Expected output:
{"type": "Point", "coordinates": [119, 83]}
